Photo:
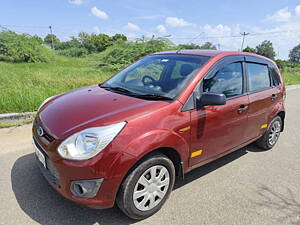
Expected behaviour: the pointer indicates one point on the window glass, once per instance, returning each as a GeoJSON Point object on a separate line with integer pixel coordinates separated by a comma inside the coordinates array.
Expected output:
{"type": "Point", "coordinates": [154, 70]}
{"type": "Point", "coordinates": [227, 81]}
{"type": "Point", "coordinates": [275, 77]}
{"type": "Point", "coordinates": [177, 71]}
{"type": "Point", "coordinates": [161, 75]}
{"type": "Point", "coordinates": [259, 78]}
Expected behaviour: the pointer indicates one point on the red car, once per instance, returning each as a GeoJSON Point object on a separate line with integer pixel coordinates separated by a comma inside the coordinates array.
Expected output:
{"type": "Point", "coordinates": [128, 139]}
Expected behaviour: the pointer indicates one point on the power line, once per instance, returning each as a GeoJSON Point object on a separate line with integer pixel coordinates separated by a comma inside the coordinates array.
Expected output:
{"type": "Point", "coordinates": [25, 26]}
{"type": "Point", "coordinates": [195, 38]}
{"type": "Point", "coordinates": [238, 36]}
{"type": "Point", "coordinates": [68, 31]}
{"type": "Point", "coordinates": [4, 28]}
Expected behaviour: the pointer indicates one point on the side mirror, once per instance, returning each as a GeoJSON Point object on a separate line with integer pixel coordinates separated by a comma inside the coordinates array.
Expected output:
{"type": "Point", "coordinates": [210, 99]}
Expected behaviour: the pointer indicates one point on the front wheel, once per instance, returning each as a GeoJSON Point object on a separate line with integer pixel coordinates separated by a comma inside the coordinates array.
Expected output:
{"type": "Point", "coordinates": [147, 187]}
{"type": "Point", "coordinates": [271, 136]}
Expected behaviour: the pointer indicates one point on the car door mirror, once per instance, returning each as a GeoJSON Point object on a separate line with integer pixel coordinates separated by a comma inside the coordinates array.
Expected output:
{"type": "Point", "coordinates": [210, 99]}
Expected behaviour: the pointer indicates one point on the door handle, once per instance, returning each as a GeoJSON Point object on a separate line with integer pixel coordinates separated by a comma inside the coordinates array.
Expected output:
{"type": "Point", "coordinates": [274, 97]}
{"type": "Point", "coordinates": [242, 108]}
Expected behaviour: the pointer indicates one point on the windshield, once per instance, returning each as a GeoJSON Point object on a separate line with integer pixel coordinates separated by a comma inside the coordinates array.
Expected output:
{"type": "Point", "coordinates": [160, 76]}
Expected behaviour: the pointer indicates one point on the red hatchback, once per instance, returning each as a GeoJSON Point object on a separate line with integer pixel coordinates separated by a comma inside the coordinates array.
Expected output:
{"type": "Point", "coordinates": [126, 140]}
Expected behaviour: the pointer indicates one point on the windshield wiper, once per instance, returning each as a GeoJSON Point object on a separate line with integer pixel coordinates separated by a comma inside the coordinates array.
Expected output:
{"type": "Point", "coordinates": [154, 97]}
{"type": "Point", "coordinates": [118, 89]}
{"type": "Point", "coordinates": [145, 96]}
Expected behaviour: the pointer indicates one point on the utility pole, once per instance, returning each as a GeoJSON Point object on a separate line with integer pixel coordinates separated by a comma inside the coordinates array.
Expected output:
{"type": "Point", "coordinates": [52, 46]}
{"type": "Point", "coordinates": [219, 46]}
{"type": "Point", "coordinates": [244, 34]}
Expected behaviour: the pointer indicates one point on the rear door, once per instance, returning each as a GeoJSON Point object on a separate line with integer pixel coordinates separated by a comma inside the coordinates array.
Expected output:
{"type": "Point", "coordinates": [263, 95]}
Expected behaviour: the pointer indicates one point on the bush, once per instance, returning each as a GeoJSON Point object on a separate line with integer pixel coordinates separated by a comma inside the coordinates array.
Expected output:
{"type": "Point", "coordinates": [73, 52]}
{"type": "Point", "coordinates": [74, 43]}
{"type": "Point", "coordinates": [22, 48]}
{"type": "Point", "coordinates": [124, 53]}
{"type": "Point", "coordinates": [94, 42]}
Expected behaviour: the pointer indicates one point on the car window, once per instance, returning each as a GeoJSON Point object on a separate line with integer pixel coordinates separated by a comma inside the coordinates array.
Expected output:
{"type": "Point", "coordinates": [154, 70]}
{"type": "Point", "coordinates": [275, 77]}
{"type": "Point", "coordinates": [164, 75]}
{"type": "Point", "coordinates": [259, 78]}
{"type": "Point", "coordinates": [177, 71]}
{"type": "Point", "coordinates": [228, 81]}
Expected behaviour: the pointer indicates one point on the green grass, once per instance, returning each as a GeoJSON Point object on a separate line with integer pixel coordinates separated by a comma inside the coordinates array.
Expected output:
{"type": "Point", "coordinates": [291, 78]}
{"type": "Point", "coordinates": [23, 86]}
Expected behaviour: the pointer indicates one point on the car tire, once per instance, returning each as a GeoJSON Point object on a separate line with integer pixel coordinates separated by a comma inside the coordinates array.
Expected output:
{"type": "Point", "coordinates": [271, 136]}
{"type": "Point", "coordinates": [154, 190]}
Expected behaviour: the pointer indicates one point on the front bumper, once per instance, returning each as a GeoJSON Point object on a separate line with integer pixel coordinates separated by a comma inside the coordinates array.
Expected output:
{"type": "Point", "coordinates": [61, 175]}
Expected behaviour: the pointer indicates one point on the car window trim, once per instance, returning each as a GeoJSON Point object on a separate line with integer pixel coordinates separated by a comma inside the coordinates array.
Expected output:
{"type": "Point", "coordinates": [190, 104]}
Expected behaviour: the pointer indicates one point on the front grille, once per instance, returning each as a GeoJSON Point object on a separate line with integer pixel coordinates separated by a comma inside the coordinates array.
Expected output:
{"type": "Point", "coordinates": [48, 137]}
{"type": "Point", "coordinates": [50, 173]}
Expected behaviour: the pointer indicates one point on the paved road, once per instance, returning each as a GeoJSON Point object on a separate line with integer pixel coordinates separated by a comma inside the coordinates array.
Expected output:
{"type": "Point", "coordinates": [245, 187]}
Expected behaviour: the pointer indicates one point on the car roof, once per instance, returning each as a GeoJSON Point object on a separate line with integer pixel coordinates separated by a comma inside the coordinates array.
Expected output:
{"type": "Point", "coordinates": [192, 52]}
{"type": "Point", "coordinates": [211, 53]}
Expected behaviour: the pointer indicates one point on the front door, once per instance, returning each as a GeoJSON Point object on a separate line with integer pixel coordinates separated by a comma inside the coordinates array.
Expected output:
{"type": "Point", "coordinates": [216, 129]}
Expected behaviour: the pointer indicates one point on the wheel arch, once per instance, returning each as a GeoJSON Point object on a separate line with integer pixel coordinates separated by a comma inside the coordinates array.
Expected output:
{"type": "Point", "coordinates": [169, 152]}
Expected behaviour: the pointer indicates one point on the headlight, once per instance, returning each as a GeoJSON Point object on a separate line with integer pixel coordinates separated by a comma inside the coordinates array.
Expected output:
{"type": "Point", "coordinates": [45, 101]}
{"type": "Point", "coordinates": [89, 142]}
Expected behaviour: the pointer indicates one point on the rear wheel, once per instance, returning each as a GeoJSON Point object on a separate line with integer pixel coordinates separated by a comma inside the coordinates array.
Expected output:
{"type": "Point", "coordinates": [147, 187]}
{"type": "Point", "coordinates": [271, 136]}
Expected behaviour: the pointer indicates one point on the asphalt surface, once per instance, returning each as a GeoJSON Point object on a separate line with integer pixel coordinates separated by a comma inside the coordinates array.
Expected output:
{"type": "Point", "coordinates": [246, 187]}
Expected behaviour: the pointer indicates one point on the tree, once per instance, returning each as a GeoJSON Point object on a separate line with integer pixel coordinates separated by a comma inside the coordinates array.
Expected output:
{"type": "Point", "coordinates": [266, 49]}
{"type": "Point", "coordinates": [38, 39]}
{"type": "Point", "coordinates": [48, 40]}
{"type": "Point", "coordinates": [208, 45]}
{"type": "Point", "coordinates": [118, 37]}
{"type": "Point", "coordinates": [249, 49]}
{"type": "Point", "coordinates": [189, 46]}
{"type": "Point", "coordinates": [22, 48]}
{"type": "Point", "coordinates": [123, 53]}
{"type": "Point", "coordinates": [73, 43]}
{"type": "Point", "coordinates": [295, 54]}
{"type": "Point", "coordinates": [94, 42]}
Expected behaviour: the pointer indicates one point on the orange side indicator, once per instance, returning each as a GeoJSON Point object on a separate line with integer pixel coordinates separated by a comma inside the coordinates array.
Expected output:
{"type": "Point", "coordinates": [185, 129]}
{"type": "Point", "coordinates": [196, 153]}
{"type": "Point", "coordinates": [264, 126]}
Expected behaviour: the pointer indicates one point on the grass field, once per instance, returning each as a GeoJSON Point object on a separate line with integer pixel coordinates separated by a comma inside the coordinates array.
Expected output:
{"type": "Point", "coordinates": [23, 86]}
{"type": "Point", "coordinates": [291, 77]}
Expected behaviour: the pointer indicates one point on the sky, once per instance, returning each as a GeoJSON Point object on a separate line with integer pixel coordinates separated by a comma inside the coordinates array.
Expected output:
{"type": "Point", "coordinates": [189, 21]}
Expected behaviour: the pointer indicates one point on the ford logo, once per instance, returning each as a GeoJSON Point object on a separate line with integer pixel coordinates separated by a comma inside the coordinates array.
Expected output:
{"type": "Point", "coordinates": [40, 131]}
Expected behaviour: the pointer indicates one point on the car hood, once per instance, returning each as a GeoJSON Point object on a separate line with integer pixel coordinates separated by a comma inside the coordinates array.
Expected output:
{"type": "Point", "coordinates": [91, 106]}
